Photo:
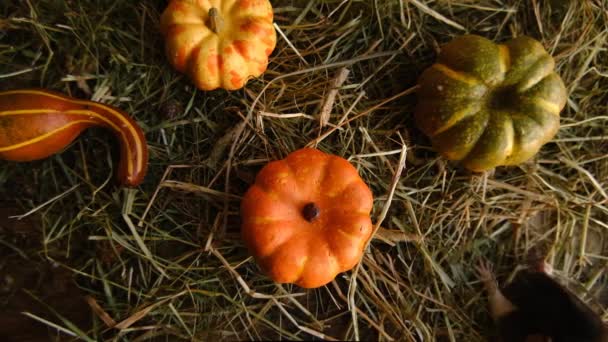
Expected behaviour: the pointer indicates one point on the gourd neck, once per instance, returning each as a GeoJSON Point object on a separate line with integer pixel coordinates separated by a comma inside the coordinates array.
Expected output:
{"type": "Point", "coordinates": [311, 212]}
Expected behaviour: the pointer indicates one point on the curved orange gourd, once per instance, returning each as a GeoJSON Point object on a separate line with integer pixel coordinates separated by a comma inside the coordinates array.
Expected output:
{"type": "Point", "coordinates": [35, 124]}
{"type": "Point", "coordinates": [219, 43]}
{"type": "Point", "coordinates": [307, 218]}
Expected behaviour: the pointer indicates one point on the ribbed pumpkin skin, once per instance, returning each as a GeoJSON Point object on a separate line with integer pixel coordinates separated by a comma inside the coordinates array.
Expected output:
{"type": "Point", "coordinates": [488, 104]}
{"type": "Point", "coordinates": [289, 247]}
{"type": "Point", "coordinates": [224, 59]}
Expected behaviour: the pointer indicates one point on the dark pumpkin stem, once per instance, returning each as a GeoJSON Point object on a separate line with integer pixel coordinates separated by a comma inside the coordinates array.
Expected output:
{"type": "Point", "coordinates": [215, 20]}
{"type": "Point", "coordinates": [310, 212]}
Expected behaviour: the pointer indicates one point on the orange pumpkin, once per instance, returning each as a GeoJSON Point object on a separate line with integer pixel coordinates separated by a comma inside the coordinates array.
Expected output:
{"type": "Point", "coordinates": [35, 124]}
{"type": "Point", "coordinates": [219, 43]}
{"type": "Point", "coordinates": [307, 218]}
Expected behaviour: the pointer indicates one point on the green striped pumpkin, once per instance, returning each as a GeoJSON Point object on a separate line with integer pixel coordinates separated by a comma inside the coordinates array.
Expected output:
{"type": "Point", "coordinates": [488, 104]}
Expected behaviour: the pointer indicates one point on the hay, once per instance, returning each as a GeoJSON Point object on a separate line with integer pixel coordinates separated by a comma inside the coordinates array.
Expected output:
{"type": "Point", "coordinates": [173, 265]}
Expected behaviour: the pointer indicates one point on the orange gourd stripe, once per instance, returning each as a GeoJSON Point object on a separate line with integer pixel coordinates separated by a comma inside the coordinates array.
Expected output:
{"type": "Point", "coordinates": [43, 136]}
{"type": "Point", "coordinates": [117, 115]}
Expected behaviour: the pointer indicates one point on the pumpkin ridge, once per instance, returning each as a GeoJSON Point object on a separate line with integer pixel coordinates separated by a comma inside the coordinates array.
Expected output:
{"type": "Point", "coordinates": [289, 167]}
{"type": "Point", "coordinates": [180, 26]}
{"type": "Point", "coordinates": [334, 261]}
{"type": "Point", "coordinates": [511, 138]}
{"type": "Point", "coordinates": [239, 49]}
{"type": "Point", "coordinates": [283, 239]}
{"type": "Point", "coordinates": [276, 249]}
{"type": "Point", "coordinates": [258, 220]}
{"type": "Point", "coordinates": [295, 275]}
{"type": "Point", "coordinates": [220, 79]}
{"type": "Point", "coordinates": [231, 9]}
{"type": "Point", "coordinates": [358, 190]}
{"type": "Point", "coordinates": [300, 272]}
{"type": "Point", "coordinates": [351, 182]}
{"type": "Point", "coordinates": [292, 172]}
{"type": "Point", "coordinates": [536, 73]}
{"type": "Point", "coordinates": [187, 53]}
{"type": "Point", "coordinates": [457, 75]}
{"type": "Point", "coordinates": [482, 130]}
{"type": "Point", "coordinates": [347, 234]}
{"type": "Point", "coordinates": [228, 9]}
{"type": "Point", "coordinates": [509, 131]}
{"type": "Point", "coordinates": [435, 85]}
{"type": "Point", "coordinates": [523, 140]}
{"type": "Point", "coordinates": [168, 17]}
{"type": "Point", "coordinates": [348, 182]}
{"type": "Point", "coordinates": [234, 54]}
{"type": "Point", "coordinates": [194, 54]}
{"type": "Point", "coordinates": [524, 113]}
{"type": "Point", "coordinates": [326, 170]}
{"type": "Point", "coordinates": [265, 188]}
{"type": "Point", "coordinates": [350, 224]}
{"type": "Point", "coordinates": [549, 106]}
{"type": "Point", "coordinates": [255, 16]}
{"type": "Point", "coordinates": [331, 257]}
{"type": "Point", "coordinates": [237, 10]}
{"type": "Point", "coordinates": [334, 209]}
{"type": "Point", "coordinates": [505, 59]}
{"type": "Point", "coordinates": [257, 196]}
{"type": "Point", "coordinates": [457, 117]}
{"type": "Point", "coordinates": [270, 191]}
{"type": "Point", "coordinates": [334, 246]}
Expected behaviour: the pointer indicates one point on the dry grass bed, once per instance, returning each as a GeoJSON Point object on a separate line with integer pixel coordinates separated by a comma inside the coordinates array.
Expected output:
{"type": "Point", "coordinates": [165, 261]}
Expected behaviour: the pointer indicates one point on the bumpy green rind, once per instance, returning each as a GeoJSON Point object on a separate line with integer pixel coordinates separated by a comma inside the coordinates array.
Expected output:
{"type": "Point", "coordinates": [487, 104]}
{"type": "Point", "coordinates": [460, 54]}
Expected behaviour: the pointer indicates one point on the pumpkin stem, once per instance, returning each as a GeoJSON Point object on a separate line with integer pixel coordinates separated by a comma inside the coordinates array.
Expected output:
{"type": "Point", "coordinates": [502, 98]}
{"type": "Point", "coordinates": [310, 212]}
{"type": "Point", "coordinates": [216, 22]}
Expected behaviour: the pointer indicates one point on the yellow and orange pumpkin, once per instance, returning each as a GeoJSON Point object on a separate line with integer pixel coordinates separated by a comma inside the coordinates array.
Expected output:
{"type": "Point", "coordinates": [36, 123]}
{"type": "Point", "coordinates": [219, 43]}
{"type": "Point", "coordinates": [307, 218]}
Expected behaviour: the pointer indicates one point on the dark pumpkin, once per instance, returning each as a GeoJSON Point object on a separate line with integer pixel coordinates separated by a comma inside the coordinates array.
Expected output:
{"type": "Point", "coordinates": [488, 104]}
